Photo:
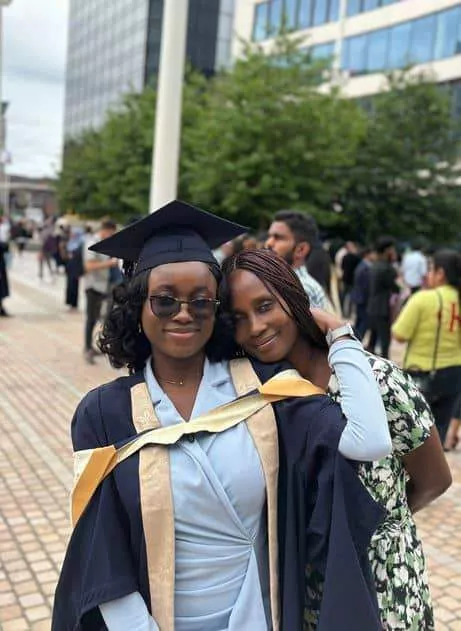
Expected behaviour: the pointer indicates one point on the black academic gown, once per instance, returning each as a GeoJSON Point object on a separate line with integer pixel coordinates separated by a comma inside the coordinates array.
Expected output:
{"type": "Point", "coordinates": [325, 517]}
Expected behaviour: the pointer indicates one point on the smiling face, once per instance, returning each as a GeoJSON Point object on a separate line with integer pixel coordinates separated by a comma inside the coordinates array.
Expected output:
{"type": "Point", "coordinates": [181, 336]}
{"type": "Point", "coordinates": [263, 328]}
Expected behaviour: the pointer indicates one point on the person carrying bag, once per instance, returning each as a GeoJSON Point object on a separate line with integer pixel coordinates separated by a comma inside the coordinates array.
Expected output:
{"type": "Point", "coordinates": [433, 356]}
{"type": "Point", "coordinates": [427, 380]}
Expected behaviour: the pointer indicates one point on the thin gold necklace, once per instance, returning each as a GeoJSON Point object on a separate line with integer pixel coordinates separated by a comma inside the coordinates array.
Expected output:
{"type": "Point", "coordinates": [180, 382]}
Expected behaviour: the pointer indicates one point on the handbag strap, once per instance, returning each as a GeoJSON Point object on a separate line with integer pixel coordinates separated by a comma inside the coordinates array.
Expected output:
{"type": "Point", "coordinates": [439, 326]}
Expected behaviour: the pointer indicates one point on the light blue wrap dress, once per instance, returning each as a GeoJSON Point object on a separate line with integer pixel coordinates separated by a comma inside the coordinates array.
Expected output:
{"type": "Point", "coordinates": [219, 496]}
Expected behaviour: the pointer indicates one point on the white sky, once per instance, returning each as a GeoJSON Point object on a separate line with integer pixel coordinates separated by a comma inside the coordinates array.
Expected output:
{"type": "Point", "coordinates": [34, 62]}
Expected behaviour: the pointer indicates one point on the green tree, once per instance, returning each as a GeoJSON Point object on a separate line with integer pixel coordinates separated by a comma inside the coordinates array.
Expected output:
{"type": "Point", "coordinates": [267, 138]}
{"type": "Point", "coordinates": [404, 181]}
{"type": "Point", "coordinates": [107, 172]}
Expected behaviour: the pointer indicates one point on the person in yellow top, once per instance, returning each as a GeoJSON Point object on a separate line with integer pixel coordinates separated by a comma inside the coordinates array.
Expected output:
{"type": "Point", "coordinates": [430, 323]}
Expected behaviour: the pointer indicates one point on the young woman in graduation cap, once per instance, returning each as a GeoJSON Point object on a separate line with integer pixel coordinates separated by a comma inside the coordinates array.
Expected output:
{"type": "Point", "coordinates": [272, 321]}
{"type": "Point", "coordinates": [201, 493]}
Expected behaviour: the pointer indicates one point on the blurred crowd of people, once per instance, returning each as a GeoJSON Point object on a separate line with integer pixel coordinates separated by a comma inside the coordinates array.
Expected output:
{"type": "Point", "coordinates": [409, 294]}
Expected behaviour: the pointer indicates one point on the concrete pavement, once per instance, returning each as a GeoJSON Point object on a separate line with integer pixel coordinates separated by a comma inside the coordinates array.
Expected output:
{"type": "Point", "coordinates": [42, 377]}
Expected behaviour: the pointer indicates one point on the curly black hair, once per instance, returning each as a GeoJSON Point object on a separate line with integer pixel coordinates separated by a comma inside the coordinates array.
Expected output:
{"type": "Point", "coordinates": [122, 338]}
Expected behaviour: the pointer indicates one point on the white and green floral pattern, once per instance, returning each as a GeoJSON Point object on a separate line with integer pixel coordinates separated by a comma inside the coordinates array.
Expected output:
{"type": "Point", "coordinates": [396, 553]}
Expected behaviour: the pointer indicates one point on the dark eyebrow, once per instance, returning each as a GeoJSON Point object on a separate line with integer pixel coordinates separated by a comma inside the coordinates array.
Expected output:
{"type": "Point", "coordinates": [257, 301]}
{"type": "Point", "coordinates": [277, 235]}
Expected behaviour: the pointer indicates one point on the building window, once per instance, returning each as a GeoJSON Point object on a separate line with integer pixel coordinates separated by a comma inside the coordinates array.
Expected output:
{"type": "Point", "coordinates": [422, 40]}
{"type": "Point", "coordinates": [377, 51]}
{"type": "Point", "coordinates": [334, 10]}
{"type": "Point", "coordinates": [295, 14]}
{"type": "Point", "coordinates": [320, 12]}
{"type": "Point", "coordinates": [432, 37]}
{"type": "Point", "coordinates": [369, 5]}
{"type": "Point", "coordinates": [354, 7]}
{"type": "Point", "coordinates": [323, 51]}
{"type": "Point", "coordinates": [260, 21]}
{"type": "Point", "coordinates": [448, 36]}
{"type": "Point", "coordinates": [355, 54]}
{"type": "Point", "coordinates": [276, 15]}
{"type": "Point", "coordinates": [399, 45]}
{"type": "Point", "coordinates": [291, 13]}
{"type": "Point", "coordinates": [305, 14]}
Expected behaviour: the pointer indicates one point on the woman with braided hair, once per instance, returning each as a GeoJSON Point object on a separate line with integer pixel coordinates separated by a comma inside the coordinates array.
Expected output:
{"type": "Point", "coordinates": [273, 321]}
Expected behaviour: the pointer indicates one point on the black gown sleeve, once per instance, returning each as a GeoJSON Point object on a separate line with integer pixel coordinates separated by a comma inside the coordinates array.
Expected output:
{"type": "Point", "coordinates": [98, 565]}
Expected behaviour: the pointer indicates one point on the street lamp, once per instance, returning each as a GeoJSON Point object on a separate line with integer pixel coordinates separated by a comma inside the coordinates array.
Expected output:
{"type": "Point", "coordinates": [167, 135]}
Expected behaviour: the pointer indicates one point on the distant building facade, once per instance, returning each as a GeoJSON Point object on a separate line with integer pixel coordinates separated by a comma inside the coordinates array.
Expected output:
{"type": "Point", "coordinates": [365, 38]}
{"type": "Point", "coordinates": [114, 48]}
{"type": "Point", "coordinates": [28, 192]}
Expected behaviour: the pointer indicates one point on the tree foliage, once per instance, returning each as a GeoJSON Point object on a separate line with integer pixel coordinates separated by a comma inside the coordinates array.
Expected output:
{"type": "Point", "coordinates": [267, 138]}
{"type": "Point", "coordinates": [405, 179]}
{"type": "Point", "coordinates": [264, 136]}
{"type": "Point", "coordinates": [107, 172]}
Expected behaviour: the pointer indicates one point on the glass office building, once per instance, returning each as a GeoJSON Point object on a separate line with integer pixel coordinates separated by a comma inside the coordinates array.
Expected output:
{"type": "Point", "coordinates": [364, 38]}
{"type": "Point", "coordinates": [114, 48]}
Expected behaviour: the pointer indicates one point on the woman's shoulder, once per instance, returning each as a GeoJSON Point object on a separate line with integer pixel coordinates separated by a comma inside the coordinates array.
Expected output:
{"type": "Point", "coordinates": [108, 392]}
{"type": "Point", "coordinates": [425, 297]}
{"type": "Point", "coordinates": [267, 371]}
{"type": "Point", "coordinates": [102, 414]}
{"type": "Point", "coordinates": [393, 380]}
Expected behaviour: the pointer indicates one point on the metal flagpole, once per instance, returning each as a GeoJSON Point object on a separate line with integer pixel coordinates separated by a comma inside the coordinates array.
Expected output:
{"type": "Point", "coordinates": [167, 134]}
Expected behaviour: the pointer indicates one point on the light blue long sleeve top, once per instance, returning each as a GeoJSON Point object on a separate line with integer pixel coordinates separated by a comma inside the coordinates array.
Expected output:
{"type": "Point", "coordinates": [221, 574]}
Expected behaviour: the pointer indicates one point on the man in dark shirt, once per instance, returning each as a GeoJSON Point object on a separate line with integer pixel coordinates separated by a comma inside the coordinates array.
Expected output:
{"type": "Point", "coordinates": [349, 264]}
{"type": "Point", "coordinates": [383, 283]}
{"type": "Point", "coordinates": [361, 290]}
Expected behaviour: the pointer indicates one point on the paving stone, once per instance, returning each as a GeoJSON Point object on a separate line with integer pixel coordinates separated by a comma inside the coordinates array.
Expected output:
{"type": "Point", "coordinates": [31, 600]}
{"type": "Point", "coordinates": [38, 613]}
{"type": "Point", "coordinates": [18, 624]}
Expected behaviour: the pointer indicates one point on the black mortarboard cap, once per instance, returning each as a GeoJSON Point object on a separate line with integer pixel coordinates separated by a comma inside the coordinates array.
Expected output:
{"type": "Point", "coordinates": [175, 233]}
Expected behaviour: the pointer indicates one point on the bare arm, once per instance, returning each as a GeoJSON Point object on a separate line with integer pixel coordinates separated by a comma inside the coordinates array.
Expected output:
{"type": "Point", "coordinates": [429, 472]}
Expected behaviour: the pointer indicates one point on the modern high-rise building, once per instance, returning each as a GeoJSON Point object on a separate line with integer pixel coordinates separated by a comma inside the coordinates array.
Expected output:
{"type": "Point", "coordinates": [365, 38]}
{"type": "Point", "coordinates": [114, 48]}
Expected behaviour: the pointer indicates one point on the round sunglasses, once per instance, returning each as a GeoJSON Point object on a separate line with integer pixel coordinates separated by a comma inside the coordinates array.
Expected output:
{"type": "Point", "coordinates": [169, 307]}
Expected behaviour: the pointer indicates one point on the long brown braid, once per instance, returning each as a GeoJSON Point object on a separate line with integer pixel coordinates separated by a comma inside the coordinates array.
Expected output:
{"type": "Point", "coordinates": [280, 279]}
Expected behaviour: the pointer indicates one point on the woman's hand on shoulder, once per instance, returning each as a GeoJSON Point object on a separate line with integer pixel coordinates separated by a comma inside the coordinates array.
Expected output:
{"type": "Point", "coordinates": [326, 320]}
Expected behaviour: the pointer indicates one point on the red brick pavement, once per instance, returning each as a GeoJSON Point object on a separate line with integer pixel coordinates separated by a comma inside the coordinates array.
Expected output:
{"type": "Point", "coordinates": [42, 378]}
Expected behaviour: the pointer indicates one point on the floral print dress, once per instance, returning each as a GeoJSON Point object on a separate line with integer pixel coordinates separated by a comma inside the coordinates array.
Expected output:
{"type": "Point", "coordinates": [395, 553]}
